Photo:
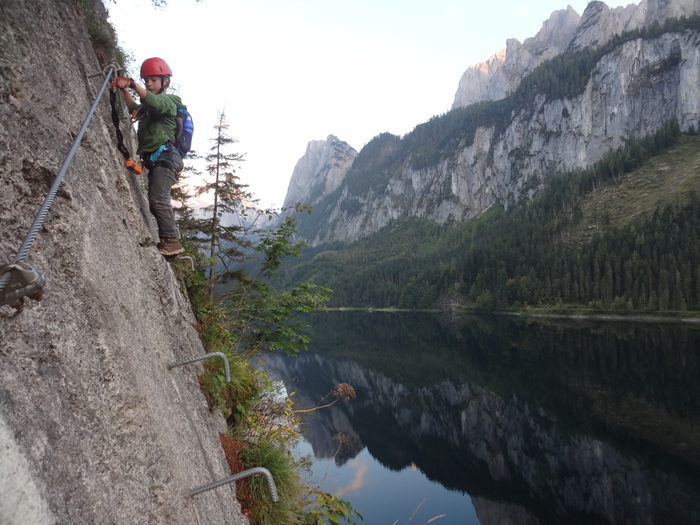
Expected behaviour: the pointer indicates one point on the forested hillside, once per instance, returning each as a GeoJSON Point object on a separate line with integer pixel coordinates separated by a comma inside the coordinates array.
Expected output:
{"type": "Point", "coordinates": [622, 236]}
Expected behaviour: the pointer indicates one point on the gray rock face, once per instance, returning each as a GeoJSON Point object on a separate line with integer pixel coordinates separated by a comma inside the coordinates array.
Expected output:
{"type": "Point", "coordinates": [94, 426]}
{"type": "Point", "coordinates": [320, 171]}
{"type": "Point", "coordinates": [564, 30]}
{"type": "Point", "coordinates": [599, 24]}
{"type": "Point", "coordinates": [661, 10]}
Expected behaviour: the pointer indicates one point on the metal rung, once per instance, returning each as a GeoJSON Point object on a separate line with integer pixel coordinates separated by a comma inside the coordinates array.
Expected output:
{"type": "Point", "coordinates": [207, 356]}
{"type": "Point", "coordinates": [245, 474]}
{"type": "Point", "coordinates": [190, 258]}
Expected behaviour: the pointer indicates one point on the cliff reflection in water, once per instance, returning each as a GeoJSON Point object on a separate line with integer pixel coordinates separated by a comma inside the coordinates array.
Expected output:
{"type": "Point", "coordinates": [543, 422]}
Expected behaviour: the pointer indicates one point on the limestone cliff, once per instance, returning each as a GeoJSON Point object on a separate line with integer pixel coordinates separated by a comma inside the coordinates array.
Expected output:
{"type": "Point", "coordinates": [564, 30]}
{"type": "Point", "coordinates": [94, 426]}
{"type": "Point", "coordinates": [633, 90]}
{"type": "Point", "coordinates": [320, 171]}
{"type": "Point", "coordinates": [501, 74]}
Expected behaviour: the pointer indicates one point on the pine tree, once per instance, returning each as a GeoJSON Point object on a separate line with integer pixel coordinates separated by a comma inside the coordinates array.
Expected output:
{"type": "Point", "coordinates": [246, 258]}
{"type": "Point", "coordinates": [226, 240]}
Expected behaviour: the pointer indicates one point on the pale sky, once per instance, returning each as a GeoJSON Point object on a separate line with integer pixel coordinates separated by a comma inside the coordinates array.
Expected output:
{"type": "Point", "coordinates": [291, 71]}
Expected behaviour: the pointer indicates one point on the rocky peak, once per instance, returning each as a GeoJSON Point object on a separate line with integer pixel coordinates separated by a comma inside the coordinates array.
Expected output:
{"type": "Point", "coordinates": [476, 82]}
{"type": "Point", "coordinates": [556, 32]}
{"type": "Point", "coordinates": [565, 29]}
{"type": "Point", "coordinates": [599, 24]}
{"type": "Point", "coordinates": [548, 136]}
{"type": "Point", "coordinates": [502, 72]}
{"type": "Point", "coordinates": [320, 171]}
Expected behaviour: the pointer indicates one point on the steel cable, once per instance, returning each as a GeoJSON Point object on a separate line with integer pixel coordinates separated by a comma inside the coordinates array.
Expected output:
{"type": "Point", "coordinates": [43, 211]}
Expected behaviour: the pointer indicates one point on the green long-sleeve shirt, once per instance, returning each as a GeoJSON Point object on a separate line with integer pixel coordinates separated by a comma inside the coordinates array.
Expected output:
{"type": "Point", "coordinates": [158, 109]}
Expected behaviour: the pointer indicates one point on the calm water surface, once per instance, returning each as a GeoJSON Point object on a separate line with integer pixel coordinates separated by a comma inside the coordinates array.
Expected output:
{"type": "Point", "coordinates": [503, 421]}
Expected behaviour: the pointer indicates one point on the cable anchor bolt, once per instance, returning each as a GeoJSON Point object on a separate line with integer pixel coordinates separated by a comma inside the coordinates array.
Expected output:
{"type": "Point", "coordinates": [25, 281]}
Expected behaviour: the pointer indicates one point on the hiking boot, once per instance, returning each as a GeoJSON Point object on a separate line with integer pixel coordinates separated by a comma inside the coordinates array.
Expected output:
{"type": "Point", "coordinates": [170, 247]}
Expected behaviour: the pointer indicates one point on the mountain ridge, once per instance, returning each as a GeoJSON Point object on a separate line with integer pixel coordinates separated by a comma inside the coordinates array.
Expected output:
{"type": "Point", "coordinates": [574, 246]}
{"type": "Point", "coordinates": [634, 85]}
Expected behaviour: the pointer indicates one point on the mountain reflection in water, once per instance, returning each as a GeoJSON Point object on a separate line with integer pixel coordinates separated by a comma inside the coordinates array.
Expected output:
{"type": "Point", "coordinates": [538, 422]}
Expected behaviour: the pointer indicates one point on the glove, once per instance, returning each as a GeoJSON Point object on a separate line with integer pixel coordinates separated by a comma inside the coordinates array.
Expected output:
{"type": "Point", "coordinates": [123, 82]}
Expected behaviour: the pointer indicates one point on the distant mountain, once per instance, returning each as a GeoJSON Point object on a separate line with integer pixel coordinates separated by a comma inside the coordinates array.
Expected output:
{"type": "Point", "coordinates": [320, 171]}
{"type": "Point", "coordinates": [559, 102]}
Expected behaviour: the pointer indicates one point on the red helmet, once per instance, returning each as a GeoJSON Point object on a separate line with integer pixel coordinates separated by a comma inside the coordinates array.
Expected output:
{"type": "Point", "coordinates": [155, 67]}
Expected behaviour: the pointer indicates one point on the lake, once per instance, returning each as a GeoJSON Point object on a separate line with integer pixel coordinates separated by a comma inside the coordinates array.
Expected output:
{"type": "Point", "coordinates": [502, 420]}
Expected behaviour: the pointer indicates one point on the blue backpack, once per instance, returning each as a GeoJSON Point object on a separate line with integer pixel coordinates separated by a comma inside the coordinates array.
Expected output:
{"type": "Point", "coordinates": [183, 131]}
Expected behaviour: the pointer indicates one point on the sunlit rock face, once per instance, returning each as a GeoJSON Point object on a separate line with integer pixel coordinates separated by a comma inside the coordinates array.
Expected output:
{"type": "Point", "coordinates": [564, 30]}
{"type": "Point", "coordinates": [502, 72]}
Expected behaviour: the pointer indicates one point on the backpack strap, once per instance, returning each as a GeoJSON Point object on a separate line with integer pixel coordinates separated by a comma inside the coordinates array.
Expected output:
{"type": "Point", "coordinates": [178, 132]}
{"type": "Point", "coordinates": [171, 139]}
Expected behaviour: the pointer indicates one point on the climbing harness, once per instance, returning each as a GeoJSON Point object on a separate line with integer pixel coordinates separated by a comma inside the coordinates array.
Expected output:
{"type": "Point", "coordinates": [129, 162]}
{"type": "Point", "coordinates": [18, 279]}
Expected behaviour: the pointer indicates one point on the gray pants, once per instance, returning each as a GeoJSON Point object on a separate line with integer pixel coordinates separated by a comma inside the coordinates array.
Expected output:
{"type": "Point", "coordinates": [161, 178]}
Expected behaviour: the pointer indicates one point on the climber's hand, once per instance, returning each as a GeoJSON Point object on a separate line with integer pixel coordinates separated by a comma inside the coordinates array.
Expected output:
{"type": "Point", "coordinates": [123, 82]}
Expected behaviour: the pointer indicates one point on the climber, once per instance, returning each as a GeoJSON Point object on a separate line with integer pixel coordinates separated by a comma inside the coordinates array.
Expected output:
{"type": "Point", "coordinates": [156, 114]}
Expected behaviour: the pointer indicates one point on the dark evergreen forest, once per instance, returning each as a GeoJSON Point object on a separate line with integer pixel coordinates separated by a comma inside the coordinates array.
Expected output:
{"type": "Point", "coordinates": [533, 254]}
